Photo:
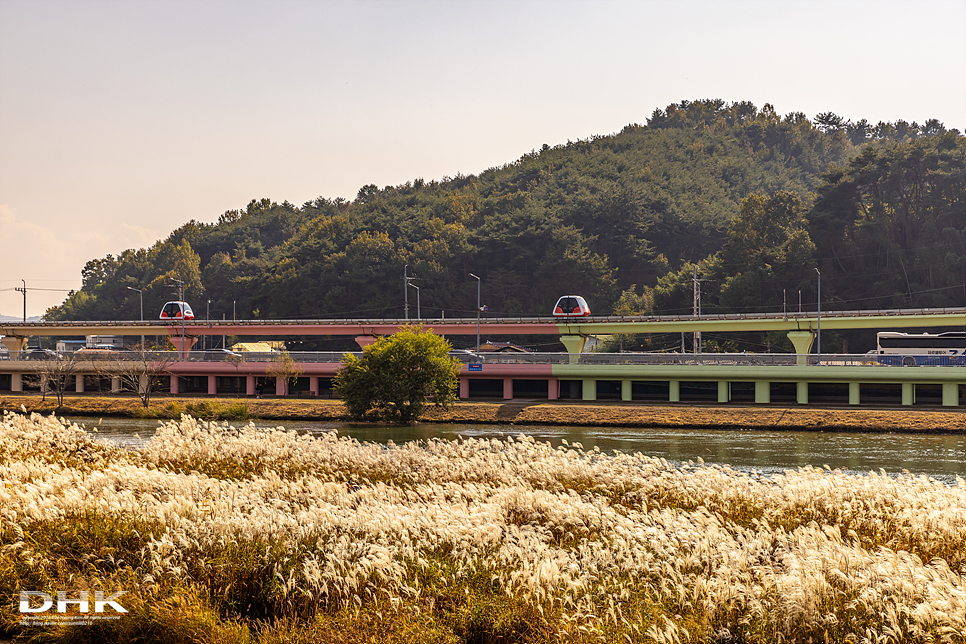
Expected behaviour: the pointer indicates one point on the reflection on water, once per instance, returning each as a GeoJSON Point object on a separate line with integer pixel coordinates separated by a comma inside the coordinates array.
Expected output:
{"type": "Point", "coordinates": [940, 456]}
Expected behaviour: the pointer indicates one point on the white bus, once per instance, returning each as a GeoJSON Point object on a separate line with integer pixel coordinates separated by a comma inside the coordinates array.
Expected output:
{"type": "Point", "coordinates": [910, 349]}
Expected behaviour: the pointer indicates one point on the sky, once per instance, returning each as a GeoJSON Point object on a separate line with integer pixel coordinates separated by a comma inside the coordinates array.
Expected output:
{"type": "Point", "coordinates": [120, 120]}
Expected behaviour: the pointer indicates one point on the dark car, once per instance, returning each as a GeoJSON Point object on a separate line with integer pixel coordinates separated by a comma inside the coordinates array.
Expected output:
{"type": "Point", "coordinates": [42, 354]}
{"type": "Point", "coordinates": [215, 355]}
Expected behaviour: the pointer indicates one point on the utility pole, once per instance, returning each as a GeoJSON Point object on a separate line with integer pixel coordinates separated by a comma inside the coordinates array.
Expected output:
{"type": "Point", "coordinates": [697, 308]}
{"type": "Point", "coordinates": [24, 291]}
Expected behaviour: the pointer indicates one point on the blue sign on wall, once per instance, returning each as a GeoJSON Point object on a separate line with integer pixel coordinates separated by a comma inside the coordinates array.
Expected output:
{"type": "Point", "coordinates": [476, 367]}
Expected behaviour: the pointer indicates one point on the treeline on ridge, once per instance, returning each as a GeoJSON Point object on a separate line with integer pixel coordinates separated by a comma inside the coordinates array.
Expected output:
{"type": "Point", "coordinates": [756, 201]}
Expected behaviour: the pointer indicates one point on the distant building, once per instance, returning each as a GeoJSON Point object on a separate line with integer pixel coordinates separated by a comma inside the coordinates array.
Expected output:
{"type": "Point", "coordinates": [112, 341]}
{"type": "Point", "coordinates": [266, 346]}
{"type": "Point", "coordinates": [70, 345]}
{"type": "Point", "coordinates": [502, 347]}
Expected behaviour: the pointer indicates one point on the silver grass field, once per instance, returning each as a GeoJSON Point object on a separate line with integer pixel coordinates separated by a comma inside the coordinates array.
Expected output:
{"type": "Point", "coordinates": [251, 535]}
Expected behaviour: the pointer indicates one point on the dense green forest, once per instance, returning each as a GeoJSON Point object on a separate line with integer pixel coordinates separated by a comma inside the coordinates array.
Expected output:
{"type": "Point", "coordinates": [756, 201]}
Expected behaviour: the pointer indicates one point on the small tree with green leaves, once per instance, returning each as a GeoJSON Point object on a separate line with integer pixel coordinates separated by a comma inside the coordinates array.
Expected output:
{"type": "Point", "coordinates": [397, 375]}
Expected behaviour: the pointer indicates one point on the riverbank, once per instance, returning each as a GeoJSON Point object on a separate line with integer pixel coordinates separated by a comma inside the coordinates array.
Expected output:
{"type": "Point", "coordinates": [521, 413]}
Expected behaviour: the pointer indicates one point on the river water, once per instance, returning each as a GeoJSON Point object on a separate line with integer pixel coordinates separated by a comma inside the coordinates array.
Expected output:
{"type": "Point", "coordinates": [940, 456]}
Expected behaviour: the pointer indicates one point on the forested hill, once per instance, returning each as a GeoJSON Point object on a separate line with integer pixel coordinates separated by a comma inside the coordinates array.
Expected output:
{"type": "Point", "coordinates": [755, 199]}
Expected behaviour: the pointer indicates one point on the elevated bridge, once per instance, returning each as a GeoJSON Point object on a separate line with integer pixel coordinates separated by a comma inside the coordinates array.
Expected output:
{"type": "Point", "coordinates": [573, 333]}
{"type": "Point", "coordinates": [757, 378]}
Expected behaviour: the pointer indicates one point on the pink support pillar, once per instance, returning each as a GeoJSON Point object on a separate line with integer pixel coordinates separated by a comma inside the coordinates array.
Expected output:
{"type": "Point", "coordinates": [175, 381]}
{"type": "Point", "coordinates": [464, 388]}
{"type": "Point", "coordinates": [250, 385]}
{"type": "Point", "coordinates": [189, 341]}
{"type": "Point", "coordinates": [507, 388]}
{"type": "Point", "coordinates": [212, 386]}
{"type": "Point", "coordinates": [365, 340]}
{"type": "Point", "coordinates": [280, 386]}
{"type": "Point", "coordinates": [553, 389]}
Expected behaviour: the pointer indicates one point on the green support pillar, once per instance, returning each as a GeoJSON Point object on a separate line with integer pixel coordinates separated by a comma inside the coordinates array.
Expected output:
{"type": "Point", "coordinates": [853, 393]}
{"type": "Point", "coordinates": [674, 391]}
{"type": "Point", "coordinates": [590, 389]}
{"type": "Point", "coordinates": [802, 341]}
{"type": "Point", "coordinates": [762, 392]}
{"type": "Point", "coordinates": [724, 391]}
{"type": "Point", "coordinates": [908, 393]}
{"type": "Point", "coordinates": [626, 390]}
{"type": "Point", "coordinates": [950, 394]}
{"type": "Point", "coordinates": [574, 345]}
{"type": "Point", "coordinates": [802, 393]}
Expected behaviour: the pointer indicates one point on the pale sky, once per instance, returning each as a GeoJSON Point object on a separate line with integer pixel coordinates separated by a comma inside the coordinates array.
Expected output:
{"type": "Point", "coordinates": [121, 120]}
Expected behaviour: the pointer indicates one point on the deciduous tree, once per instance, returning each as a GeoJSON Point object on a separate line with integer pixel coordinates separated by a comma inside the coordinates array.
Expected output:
{"type": "Point", "coordinates": [397, 375]}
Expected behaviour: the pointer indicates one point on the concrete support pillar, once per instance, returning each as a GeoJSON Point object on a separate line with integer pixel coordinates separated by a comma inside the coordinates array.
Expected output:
{"type": "Point", "coordinates": [674, 391]}
{"type": "Point", "coordinates": [79, 383]}
{"type": "Point", "coordinates": [802, 393]}
{"type": "Point", "coordinates": [762, 392]}
{"type": "Point", "coordinates": [212, 386]}
{"type": "Point", "coordinates": [314, 385]}
{"type": "Point", "coordinates": [802, 341]}
{"type": "Point", "coordinates": [249, 385]}
{"type": "Point", "coordinates": [183, 344]}
{"type": "Point", "coordinates": [16, 382]}
{"type": "Point", "coordinates": [724, 391]}
{"type": "Point", "coordinates": [853, 393]}
{"type": "Point", "coordinates": [574, 345]}
{"type": "Point", "coordinates": [590, 389]}
{"type": "Point", "coordinates": [464, 388]}
{"type": "Point", "coordinates": [115, 384]}
{"type": "Point", "coordinates": [908, 393]}
{"type": "Point", "coordinates": [553, 389]}
{"type": "Point", "coordinates": [280, 386]}
{"type": "Point", "coordinates": [142, 383]}
{"type": "Point", "coordinates": [175, 386]}
{"type": "Point", "coordinates": [508, 389]}
{"type": "Point", "coordinates": [365, 340]}
{"type": "Point", "coordinates": [626, 390]}
{"type": "Point", "coordinates": [950, 394]}
{"type": "Point", "coordinates": [14, 344]}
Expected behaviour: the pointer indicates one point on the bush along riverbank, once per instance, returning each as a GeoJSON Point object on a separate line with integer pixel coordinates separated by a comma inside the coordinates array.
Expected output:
{"type": "Point", "coordinates": [520, 412]}
{"type": "Point", "coordinates": [235, 536]}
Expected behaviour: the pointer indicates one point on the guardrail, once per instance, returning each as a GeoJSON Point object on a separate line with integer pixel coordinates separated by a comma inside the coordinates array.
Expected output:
{"type": "Point", "coordinates": [707, 359]}
{"type": "Point", "coordinates": [501, 320]}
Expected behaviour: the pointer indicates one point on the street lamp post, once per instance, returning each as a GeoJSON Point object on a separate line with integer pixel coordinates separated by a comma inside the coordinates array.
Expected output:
{"type": "Point", "coordinates": [477, 311]}
{"type": "Point", "coordinates": [181, 303]}
{"type": "Point", "coordinates": [419, 315]}
{"type": "Point", "coordinates": [819, 317]}
{"type": "Point", "coordinates": [207, 322]}
{"type": "Point", "coordinates": [141, 298]}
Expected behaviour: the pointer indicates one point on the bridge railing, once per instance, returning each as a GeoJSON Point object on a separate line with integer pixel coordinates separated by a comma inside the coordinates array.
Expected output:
{"type": "Point", "coordinates": [706, 359]}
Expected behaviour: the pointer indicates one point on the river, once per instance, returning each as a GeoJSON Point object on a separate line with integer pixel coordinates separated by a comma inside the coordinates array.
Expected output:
{"type": "Point", "coordinates": [940, 456]}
